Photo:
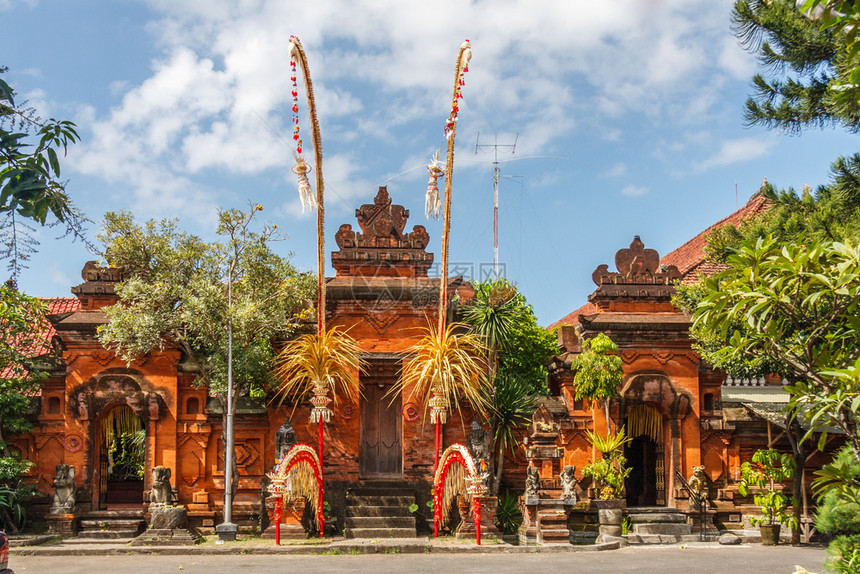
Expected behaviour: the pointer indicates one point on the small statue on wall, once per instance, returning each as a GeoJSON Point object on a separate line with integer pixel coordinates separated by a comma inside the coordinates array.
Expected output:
{"type": "Point", "coordinates": [532, 483]}
{"type": "Point", "coordinates": [698, 489]}
{"type": "Point", "coordinates": [478, 443]}
{"type": "Point", "coordinates": [285, 439]}
{"type": "Point", "coordinates": [568, 484]}
{"type": "Point", "coordinates": [64, 483]}
{"type": "Point", "coordinates": [161, 492]}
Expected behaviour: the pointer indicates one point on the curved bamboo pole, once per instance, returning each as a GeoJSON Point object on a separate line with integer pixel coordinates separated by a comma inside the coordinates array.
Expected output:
{"type": "Point", "coordinates": [298, 54]}
{"type": "Point", "coordinates": [463, 57]}
{"type": "Point", "coordinates": [449, 173]}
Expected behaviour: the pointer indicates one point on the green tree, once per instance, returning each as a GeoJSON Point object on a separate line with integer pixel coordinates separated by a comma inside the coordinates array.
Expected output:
{"type": "Point", "coordinates": [793, 309]}
{"type": "Point", "coordinates": [30, 188]}
{"type": "Point", "coordinates": [806, 68]}
{"type": "Point", "coordinates": [843, 18]}
{"type": "Point", "coordinates": [599, 372]}
{"type": "Point", "coordinates": [518, 350]}
{"type": "Point", "coordinates": [175, 293]}
{"type": "Point", "coordinates": [22, 366]}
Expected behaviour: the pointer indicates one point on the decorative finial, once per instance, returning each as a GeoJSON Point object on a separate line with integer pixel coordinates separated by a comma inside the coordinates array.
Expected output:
{"type": "Point", "coordinates": [432, 203]}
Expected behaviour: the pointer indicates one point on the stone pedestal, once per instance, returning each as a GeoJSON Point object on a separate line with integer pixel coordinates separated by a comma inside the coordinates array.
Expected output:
{"type": "Point", "coordinates": [466, 530]}
{"type": "Point", "coordinates": [167, 527]}
{"type": "Point", "coordinates": [610, 513]}
{"type": "Point", "coordinates": [544, 521]}
{"type": "Point", "coordinates": [291, 520]}
{"type": "Point", "coordinates": [62, 524]}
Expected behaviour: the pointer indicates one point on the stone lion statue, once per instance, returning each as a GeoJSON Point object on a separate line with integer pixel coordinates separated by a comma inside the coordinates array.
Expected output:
{"type": "Point", "coordinates": [64, 483]}
{"type": "Point", "coordinates": [568, 484]}
{"type": "Point", "coordinates": [698, 486]}
{"type": "Point", "coordinates": [161, 492]}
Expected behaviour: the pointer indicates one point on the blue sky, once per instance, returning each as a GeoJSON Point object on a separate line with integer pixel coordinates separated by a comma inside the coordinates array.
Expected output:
{"type": "Point", "coordinates": [629, 115]}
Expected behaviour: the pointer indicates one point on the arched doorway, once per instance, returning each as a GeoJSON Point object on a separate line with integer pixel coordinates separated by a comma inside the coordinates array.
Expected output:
{"type": "Point", "coordinates": [122, 457]}
{"type": "Point", "coordinates": [646, 484]}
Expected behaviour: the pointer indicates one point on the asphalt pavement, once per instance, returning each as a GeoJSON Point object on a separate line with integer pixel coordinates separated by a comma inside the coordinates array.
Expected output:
{"type": "Point", "coordinates": [663, 559]}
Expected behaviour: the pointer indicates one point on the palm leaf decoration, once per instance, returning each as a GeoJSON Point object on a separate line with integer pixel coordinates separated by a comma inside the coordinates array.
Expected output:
{"type": "Point", "coordinates": [608, 444]}
{"type": "Point", "coordinates": [319, 363]}
{"type": "Point", "coordinates": [443, 369]}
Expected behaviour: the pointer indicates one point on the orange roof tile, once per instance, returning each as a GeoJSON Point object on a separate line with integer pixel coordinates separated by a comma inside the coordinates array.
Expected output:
{"type": "Point", "coordinates": [690, 257]}
{"type": "Point", "coordinates": [56, 306]}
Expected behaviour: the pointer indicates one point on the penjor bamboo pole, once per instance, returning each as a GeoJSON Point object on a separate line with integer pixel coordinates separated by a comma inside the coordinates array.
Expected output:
{"type": "Point", "coordinates": [446, 229]}
{"type": "Point", "coordinates": [317, 143]}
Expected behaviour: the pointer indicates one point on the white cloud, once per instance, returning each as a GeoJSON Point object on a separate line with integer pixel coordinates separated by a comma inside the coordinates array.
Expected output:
{"type": "Point", "coordinates": [616, 170]}
{"type": "Point", "coordinates": [735, 151]}
{"type": "Point", "coordinates": [218, 97]}
{"type": "Point", "coordinates": [739, 63]}
{"type": "Point", "coordinates": [635, 190]}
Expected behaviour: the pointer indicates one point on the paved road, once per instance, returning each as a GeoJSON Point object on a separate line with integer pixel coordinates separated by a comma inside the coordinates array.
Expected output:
{"type": "Point", "coordinates": [663, 560]}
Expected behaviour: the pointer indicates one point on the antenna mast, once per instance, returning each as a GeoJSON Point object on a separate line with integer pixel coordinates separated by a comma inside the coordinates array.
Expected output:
{"type": "Point", "coordinates": [496, 145]}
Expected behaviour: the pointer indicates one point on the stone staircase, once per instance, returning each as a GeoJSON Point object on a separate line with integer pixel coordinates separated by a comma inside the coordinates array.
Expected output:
{"type": "Point", "coordinates": [112, 524]}
{"type": "Point", "coordinates": [552, 526]}
{"type": "Point", "coordinates": [657, 525]}
{"type": "Point", "coordinates": [379, 509]}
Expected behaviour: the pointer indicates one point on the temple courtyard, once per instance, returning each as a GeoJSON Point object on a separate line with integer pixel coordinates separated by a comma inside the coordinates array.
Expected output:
{"type": "Point", "coordinates": [685, 558]}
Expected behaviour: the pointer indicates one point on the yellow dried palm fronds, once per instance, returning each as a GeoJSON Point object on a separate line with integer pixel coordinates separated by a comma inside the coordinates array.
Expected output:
{"type": "Point", "coordinates": [455, 485]}
{"type": "Point", "coordinates": [301, 481]}
{"type": "Point", "coordinates": [645, 420]}
{"type": "Point", "coordinates": [449, 365]}
{"type": "Point", "coordinates": [329, 360]}
{"type": "Point", "coordinates": [120, 420]}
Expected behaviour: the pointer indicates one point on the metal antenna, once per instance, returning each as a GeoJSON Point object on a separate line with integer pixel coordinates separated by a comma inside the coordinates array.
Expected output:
{"type": "Point", "coordinates": [496, 145]}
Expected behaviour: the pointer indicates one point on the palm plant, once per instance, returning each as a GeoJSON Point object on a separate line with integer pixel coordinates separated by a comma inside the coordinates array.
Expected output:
{"type": "Point", "coordinates": [511, 403]}
{"type": "Point", "coordinates": [610, 472]}
{"type": "Point", "coordinates": [317, 364]}
{"type": "Point", "coordinates": [493, 313]}
{"type": "Point", "coordinates": [442, 368]}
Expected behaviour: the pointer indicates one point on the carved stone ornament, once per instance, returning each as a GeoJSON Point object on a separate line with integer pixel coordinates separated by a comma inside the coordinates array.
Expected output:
{"type": "Point", "coordinates": [478, 443]}
{"type": "Point", "coordinates": [161, 492]}
{"type": "Point", "coordinates": [382, 226]}
{"type": "Point", "coordinates": [93, 273]}
{"type": "Point", "coordinates": [698, 487]}
{"type": "Point", "coordinates": [568, 484]}
{"type": "Point", "coordinates": [636, 265]}
{"type": "Point", "coordinates": [532, 484]}
{"type": "Point", "coordinates": [285, 438]}
{"type": "Point", "coordinates": [64, 485]}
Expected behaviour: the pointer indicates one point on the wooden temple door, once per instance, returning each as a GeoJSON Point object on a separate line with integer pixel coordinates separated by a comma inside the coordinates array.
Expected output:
{"type": "Point", "coordinates": [380, 452]}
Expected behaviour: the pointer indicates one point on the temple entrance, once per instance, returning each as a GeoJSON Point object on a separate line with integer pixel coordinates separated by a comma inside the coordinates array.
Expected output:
{"type": "Point", "coordinates": [122, 457]}
{"type": "Point", "coordinates": [645, 486]}
{"type": "Point", "coordinates": [380, 453]}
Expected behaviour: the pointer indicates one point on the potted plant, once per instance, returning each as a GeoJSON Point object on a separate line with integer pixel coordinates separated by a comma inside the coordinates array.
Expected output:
{"type": "Point", "coordinates": [768, 469]}
{"type": "Point", "coordinates": [608, 475]}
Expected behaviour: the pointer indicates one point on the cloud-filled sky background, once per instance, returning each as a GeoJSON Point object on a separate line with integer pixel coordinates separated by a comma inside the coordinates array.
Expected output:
{"type": "Point", "coordinates": [627, 117]}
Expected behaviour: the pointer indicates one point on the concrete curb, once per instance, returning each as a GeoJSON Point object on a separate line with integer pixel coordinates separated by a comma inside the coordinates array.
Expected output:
{"type": "Point", "coordinates": [352, 546]}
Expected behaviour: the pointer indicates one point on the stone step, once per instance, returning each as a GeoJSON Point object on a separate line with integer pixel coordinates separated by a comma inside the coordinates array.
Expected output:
{"type": "Point", "coordinates": [352, 500]}
{"type": "Point", "coordinates": [380, 522]}
{"type": "Point", "coordinates": [379, 533]}
{"type": "Point", "coordinates": [110, 514]}
{"type": "Point", "coordinates": [671, 529]}
{"type": "Point", "coordinates": [87, 541]}
{"type": "Point", "coordinates": [378, 511]}
{"type": "Point", "coordinates": [554, 535]}
{"type": "Point", "coordinates": [652, 517]}
{"type": "Point", "coordinates": [111, 524]}
{"type": "Point", "coordinates": [108, 534]}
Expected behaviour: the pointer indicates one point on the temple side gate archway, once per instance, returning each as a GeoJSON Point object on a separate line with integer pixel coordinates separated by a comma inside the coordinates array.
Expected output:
{"type": "Point", "coordinates": [457, 453]}
{"type": "Point", "coordinates": [300, 454]}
